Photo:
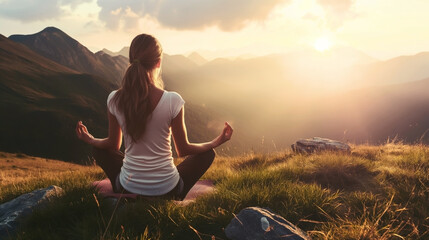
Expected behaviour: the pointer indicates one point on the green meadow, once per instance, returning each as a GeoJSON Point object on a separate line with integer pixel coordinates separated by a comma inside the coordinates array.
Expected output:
{"type": "Point", "coordinates": [376, 192]}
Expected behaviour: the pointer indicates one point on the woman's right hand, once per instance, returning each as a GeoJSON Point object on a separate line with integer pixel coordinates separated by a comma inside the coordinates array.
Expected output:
{"type": "Point", "coordinates": [225, 135]}
{"type": "Point", "coordinates": [82, 133]}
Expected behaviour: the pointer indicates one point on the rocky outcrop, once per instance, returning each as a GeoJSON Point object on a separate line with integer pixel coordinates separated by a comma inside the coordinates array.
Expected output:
{"type": "Point", "coordinates": [12, 211]}
{"type": "Point", "coordinates": [318, 144]}
{"type": "Point", "coordinates": [255, 223]}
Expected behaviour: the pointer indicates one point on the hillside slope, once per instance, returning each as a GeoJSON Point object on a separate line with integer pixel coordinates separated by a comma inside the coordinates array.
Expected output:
{"type": "Point", "coordinates": [41, 101]}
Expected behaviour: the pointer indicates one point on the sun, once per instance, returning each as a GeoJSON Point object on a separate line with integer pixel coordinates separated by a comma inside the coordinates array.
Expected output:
{"type": "Point", "coordinates": [322, 44]}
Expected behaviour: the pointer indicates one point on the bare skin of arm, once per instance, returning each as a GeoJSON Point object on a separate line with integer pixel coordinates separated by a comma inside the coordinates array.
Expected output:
{"type": "Point", "coordinates": [113, 141]}
{"type": "Point", "coordinates": [184, 147]}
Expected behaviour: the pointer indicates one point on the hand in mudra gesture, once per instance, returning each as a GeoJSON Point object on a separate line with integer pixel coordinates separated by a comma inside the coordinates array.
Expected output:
{"type": "Point", "coordinates": [225, 135]}
{"type": "Point", "coordinates": [82, 133]}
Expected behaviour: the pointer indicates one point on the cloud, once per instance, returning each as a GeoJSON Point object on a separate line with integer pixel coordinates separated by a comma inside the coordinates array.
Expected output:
{"type": "Point", "coordinates": [312, 17]}
{"type": "Point", "coordinates": [337, 12]}
{"type": "Point", "coordinates": [187, 14]}
{"type": "Point", "coordinates": [73, 3]}
{"type": "Point", "coordinates": [33, 10]}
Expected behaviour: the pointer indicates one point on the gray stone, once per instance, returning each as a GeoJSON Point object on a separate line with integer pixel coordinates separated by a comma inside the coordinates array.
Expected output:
{"type": "Point", "coordinates": [255, 223]}
{"type": "Point", "coordinates": [12, 211]}
{"type": "Point", "coordinates": [317, 144]}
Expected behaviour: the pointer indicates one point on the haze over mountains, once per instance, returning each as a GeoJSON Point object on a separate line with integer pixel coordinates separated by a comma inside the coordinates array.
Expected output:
{"type": "Point", "coordinates": [48, 81]}
{"type": "Point", "coordinates": [337, 69]}
{"type": "Point", "coordinates": [341, 93]}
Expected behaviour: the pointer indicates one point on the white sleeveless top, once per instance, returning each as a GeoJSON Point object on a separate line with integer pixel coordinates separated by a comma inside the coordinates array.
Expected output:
{"type": "Point", "coordinates": [148, 167]}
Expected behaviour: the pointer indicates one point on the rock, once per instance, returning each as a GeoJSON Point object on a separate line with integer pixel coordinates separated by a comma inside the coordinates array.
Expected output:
{"type": "Point", "coordinates": [255, 223]}
{"type": "Point", "coordinates": [12, 211]}
{"type": "Point", "coordinates": [317, 144]}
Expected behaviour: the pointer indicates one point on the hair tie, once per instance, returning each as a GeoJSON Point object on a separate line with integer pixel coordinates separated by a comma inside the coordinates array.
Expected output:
{"type": "Point", "coordinates": [135, 61]}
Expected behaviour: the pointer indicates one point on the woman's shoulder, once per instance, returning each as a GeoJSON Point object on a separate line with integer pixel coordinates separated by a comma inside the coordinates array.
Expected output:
{"type": "Point", "coordinates": [111, 94]}
{"type": "Point", "coordinates": [173, 95]}
{"type": "Point", "coordinates": [110, 97]}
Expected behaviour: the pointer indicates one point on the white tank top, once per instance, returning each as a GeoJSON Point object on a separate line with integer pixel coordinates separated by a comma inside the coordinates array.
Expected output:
{"type": "Point", "coordinates": [148, 167]}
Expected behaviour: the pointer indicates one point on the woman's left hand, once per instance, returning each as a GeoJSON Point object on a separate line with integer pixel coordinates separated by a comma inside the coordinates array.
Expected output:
{"type": "Point", "coordinates": [225, 135]}
{"type": "Point", "coordinates": [82, 133]}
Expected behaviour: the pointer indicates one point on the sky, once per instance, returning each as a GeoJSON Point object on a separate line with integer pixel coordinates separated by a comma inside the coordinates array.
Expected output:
{"type": "Point", "coordinates": [383, 29]}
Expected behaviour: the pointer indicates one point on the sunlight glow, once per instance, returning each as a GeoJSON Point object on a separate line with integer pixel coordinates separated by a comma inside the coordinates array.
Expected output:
{"type": "Point", "coordinates": [322, 44]}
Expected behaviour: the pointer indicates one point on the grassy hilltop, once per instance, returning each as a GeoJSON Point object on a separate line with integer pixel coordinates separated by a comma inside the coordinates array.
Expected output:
{"type": "Point", "coordinates": [377, 192]}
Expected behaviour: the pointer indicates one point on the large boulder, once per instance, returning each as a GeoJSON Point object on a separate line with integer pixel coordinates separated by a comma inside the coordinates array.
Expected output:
{"type": "Point", "coordinates": [317, 144]}
{"type": "Point", "coordinates": [12, 211]}
{"type": "Point", "coordinates": [255, 223]}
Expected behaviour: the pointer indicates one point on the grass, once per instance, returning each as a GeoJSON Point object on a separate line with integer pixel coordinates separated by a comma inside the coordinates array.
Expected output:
{"type": "Point", "coordinates": [377, 192]}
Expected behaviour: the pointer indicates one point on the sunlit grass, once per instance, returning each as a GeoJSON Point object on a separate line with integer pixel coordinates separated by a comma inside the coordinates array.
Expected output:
{"type": "Point", "coordinates": [376, 192]}
{"type": "Point", "coordinates": [21, 173]}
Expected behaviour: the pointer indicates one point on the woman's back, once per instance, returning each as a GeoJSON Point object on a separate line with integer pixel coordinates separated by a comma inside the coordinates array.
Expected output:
{"type": "Point", "coordinates": [148, 164]}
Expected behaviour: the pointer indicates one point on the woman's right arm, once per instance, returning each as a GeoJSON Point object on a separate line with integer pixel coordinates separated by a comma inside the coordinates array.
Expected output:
{"type": "Point", "coordinates": [180, 137]}
{"type": "Point", "coordinates": [113, 141]}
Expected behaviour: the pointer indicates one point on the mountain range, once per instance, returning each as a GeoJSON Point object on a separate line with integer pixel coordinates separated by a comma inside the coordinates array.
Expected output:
{"type": "Point", "coordinates": [49, 81]}
{"type": "Point", "coordinates": [342, 94]}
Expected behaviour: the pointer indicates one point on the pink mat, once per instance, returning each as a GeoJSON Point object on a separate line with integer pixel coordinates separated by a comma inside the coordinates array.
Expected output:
{"type": "Point", "coordinates": [201, 187]}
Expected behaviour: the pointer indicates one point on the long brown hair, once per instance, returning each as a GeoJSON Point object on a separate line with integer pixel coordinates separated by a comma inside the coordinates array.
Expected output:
{"type": "Point", "coordinates": [132, 99]}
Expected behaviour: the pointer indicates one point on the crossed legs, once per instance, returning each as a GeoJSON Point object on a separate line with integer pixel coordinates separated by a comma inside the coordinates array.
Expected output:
{"type": "Point", "coordinates": [190, 170]}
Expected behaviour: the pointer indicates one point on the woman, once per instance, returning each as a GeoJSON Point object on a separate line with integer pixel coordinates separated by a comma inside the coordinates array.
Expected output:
{"type": "Point", "coordinates": [147, 115]}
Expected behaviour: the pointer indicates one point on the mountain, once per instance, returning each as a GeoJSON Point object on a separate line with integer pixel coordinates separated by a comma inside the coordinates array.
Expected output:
{"type": "Point", "coordinates": [123, 52]}
{"type": "Point", "coordinates": [171, 63]}
{"type": "Point", "coordinates": [197, 58]}
{"type": "Point", "coordinates": [41, 101]}
{"type": "Point", "coordinates": [18, 58]}
{"type": "Point", "coordinates": [397, 70]}
{"type": "Point", "coordinates": [373, 114]}
{"type": "Point", "coordinates": [59, 47]}
{"type": "Point", "coordinates": [105, 50]}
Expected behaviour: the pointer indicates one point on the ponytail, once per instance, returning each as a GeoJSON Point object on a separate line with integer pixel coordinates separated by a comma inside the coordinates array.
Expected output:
{"type": "Point", "coordinates": [132, 99]}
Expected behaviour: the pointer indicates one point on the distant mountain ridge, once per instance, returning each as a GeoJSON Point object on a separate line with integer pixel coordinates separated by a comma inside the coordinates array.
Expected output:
{"type": "Point", "coordinates": [197, 58]}
{"type": "Point", "coordinates": [399, 70]}
{"type": "Point", "coordinates": [56, 45]}
{"type": "Point", "coordinates": [337, 67]}
{"type": "Point", "coordinates": [123, 52]}
{"type": "Point", "coordinates": [171, 64]}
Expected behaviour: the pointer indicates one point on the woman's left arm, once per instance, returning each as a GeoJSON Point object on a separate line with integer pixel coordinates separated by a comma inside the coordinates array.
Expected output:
{"type": "Point", "coordinates": [113, 141]}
